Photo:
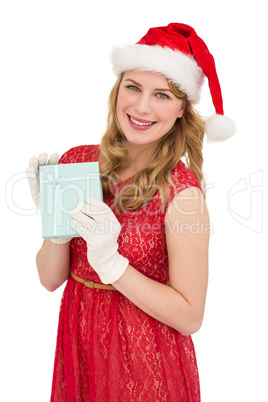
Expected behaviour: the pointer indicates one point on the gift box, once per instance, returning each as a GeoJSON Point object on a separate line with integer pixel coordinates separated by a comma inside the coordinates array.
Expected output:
{"type": "Point", "coordinates": [61, 188]}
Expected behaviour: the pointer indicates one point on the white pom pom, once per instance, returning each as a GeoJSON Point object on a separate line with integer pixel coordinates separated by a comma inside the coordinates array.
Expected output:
{"type": "Point", "coordinates": [219, 128]}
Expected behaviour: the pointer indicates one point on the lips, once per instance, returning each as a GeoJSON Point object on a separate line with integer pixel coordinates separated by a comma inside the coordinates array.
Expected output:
{"type": "Point", "coordinates": [140, 123]}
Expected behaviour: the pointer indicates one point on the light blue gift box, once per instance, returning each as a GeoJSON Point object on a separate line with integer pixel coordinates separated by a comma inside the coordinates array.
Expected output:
{"type": "Point", "coordinates": [61, 188]}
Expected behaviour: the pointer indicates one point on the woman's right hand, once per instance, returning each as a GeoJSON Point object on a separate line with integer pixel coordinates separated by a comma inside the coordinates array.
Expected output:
{"type": "Point", "coordinates": [32, 173]}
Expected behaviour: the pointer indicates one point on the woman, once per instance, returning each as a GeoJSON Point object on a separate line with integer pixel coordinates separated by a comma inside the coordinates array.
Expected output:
{"type": "Point", "coordinates": [139, 271]}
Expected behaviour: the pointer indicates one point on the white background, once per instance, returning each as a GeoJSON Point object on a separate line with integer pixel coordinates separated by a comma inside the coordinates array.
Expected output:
{"type": "Point", "coordinates": [55, 79]}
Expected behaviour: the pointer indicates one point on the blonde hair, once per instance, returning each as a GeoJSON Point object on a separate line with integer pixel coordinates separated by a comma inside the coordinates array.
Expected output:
{"type": "Point", "coordinates": [185, 139]}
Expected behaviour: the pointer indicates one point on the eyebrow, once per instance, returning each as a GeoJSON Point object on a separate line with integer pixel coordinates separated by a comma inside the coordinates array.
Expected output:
{"type": "Point", "coordinates": [156, 89]}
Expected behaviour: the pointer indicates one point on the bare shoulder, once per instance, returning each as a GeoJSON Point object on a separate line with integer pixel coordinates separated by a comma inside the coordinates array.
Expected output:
{"type": "Point", "coordinates": [187, 205]}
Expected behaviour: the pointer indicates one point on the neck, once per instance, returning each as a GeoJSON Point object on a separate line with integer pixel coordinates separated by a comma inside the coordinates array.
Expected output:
{"type": "Point", "coordinates": [137, 160]}
{"type": "Point", "coordinates": [138, 155]}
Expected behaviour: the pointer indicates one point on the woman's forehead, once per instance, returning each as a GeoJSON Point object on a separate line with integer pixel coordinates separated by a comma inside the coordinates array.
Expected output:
{"type": "Point", "coordinates": [148, 77]}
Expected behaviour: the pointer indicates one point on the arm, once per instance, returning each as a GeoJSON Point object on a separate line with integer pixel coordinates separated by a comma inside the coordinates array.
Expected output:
{"type": "Point", "coordinates": [53, 264]}
{"type": "Point", "coordinates": [180, 305]}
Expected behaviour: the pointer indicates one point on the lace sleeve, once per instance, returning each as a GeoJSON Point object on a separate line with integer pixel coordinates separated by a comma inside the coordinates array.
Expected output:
{"type": "Point", "coordinates": [182, 178]}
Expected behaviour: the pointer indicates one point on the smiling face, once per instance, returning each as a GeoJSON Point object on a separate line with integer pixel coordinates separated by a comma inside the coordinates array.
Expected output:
{"type": "Point", "coordinates": [146, 107]}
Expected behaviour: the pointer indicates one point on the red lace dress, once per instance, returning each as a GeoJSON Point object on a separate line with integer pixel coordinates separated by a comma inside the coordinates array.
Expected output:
{"type": "Point", "coordinates": [107, 348]}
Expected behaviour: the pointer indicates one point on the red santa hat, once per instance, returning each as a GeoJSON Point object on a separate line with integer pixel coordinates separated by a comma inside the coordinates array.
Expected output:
{"type": "Point", "coordinates": [180, 55]}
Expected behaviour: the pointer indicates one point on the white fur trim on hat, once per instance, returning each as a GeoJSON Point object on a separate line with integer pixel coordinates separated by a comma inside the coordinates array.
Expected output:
{"type": "Point", "coordinates": [181, 69]}
{"type": "Point", "coordinates": [219, 128]}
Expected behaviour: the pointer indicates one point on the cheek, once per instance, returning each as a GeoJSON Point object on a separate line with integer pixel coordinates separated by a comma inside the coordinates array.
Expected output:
{"type": "Point", "coordinates": [123, 102]}
{"type": "Point", "coordinates": [121, 106]}
{"type": "Point", "coordinates": [169, 114]}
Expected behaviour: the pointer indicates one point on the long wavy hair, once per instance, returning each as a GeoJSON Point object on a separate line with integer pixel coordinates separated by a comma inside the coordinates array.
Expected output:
{"type": "Point", "coordinates": [184, 140]}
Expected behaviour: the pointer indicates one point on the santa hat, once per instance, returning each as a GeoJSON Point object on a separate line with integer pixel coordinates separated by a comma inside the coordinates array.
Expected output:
{"type": "Point", "coordinates": [180, 55]}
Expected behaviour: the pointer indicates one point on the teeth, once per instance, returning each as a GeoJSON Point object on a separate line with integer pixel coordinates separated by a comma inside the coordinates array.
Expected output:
{"type": "Point", "coordinates": [139, 123]}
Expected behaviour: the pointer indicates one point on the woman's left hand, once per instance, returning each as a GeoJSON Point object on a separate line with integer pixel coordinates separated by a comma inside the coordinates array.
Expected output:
{"type": "Point", "coordinates": [98, 226]}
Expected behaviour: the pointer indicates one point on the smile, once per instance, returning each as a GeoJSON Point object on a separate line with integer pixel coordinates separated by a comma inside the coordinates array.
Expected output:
{"type": "Point", "coordinates": [140, 122]}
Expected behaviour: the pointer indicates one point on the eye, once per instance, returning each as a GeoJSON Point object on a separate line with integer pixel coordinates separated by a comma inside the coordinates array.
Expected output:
{"type": "Point", "coordinates": [133, 88]}
{"type": "Point", "coordinates": [162, 96]}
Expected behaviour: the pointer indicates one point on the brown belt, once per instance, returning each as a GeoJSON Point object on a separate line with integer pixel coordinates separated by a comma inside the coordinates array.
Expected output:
{"type": "Point", "coordinates": [90, 284]}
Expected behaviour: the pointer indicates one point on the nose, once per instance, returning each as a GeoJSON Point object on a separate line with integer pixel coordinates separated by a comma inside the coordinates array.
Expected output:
{"type": "Point", "coordinates": [143, 104]}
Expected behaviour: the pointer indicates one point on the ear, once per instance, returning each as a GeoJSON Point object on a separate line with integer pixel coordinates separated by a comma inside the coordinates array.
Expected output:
{"type": "Point", "coordinates": [182, 110]}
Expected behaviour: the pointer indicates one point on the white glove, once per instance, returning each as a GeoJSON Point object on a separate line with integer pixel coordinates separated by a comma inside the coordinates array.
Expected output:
{"type": "Point", "coordinates": [32, 173]}
{"type": "Point", "coordinates": [98, 226]}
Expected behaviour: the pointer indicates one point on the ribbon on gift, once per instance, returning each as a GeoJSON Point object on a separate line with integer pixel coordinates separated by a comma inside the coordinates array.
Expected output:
{"type": "Point", "coordinates": [57, 181]}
